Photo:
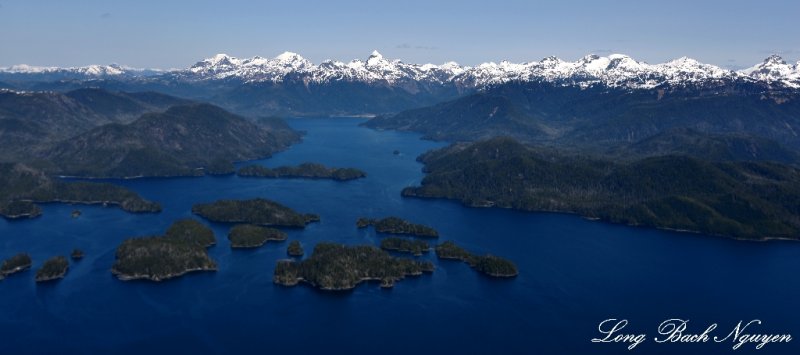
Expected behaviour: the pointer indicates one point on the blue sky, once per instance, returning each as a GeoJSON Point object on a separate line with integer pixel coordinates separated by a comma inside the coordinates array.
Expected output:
{"type": "Point", "coordinates": [170, 34]}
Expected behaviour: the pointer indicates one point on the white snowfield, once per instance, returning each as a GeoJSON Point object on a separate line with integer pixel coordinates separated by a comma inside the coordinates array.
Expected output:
{"type": "Point", "coordinates": [616, 70]}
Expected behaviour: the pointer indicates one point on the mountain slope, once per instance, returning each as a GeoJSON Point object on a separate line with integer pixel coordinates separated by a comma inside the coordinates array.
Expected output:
{"type": "Point", "coordinates": [31, 120]}
{"type": "Point", "coordinates": [712, 147]}
{"type": "Point", "coordinates": [180, 141]}
{"type": "Point", "coordinates": [600, 117]}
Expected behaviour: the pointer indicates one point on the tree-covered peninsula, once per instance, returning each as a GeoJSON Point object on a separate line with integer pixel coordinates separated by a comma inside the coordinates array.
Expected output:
{"type": "Point", "coordinates": [395, 225]}
{"type": "Point", "coordinates": [14, 264]}
{"type": "Point", "coordinates": [305, 170]}
{"type": "Point", "coordinates": [53, 269]}
{"type": "Point", "coordinates": [488, 264]}
{"type": "Point", "coordinates": [416, 247]}
{"type": "Point", "coordinates": [748, 200]}
{"type": "Point", "coordinates": [22, 186]}
{"type": "Point", "coordinates": [253, 236]}
{"type": "Point", "coordinates": [340, 267]}
{"type": "Point", "coordinates": [157, 258]}
{"type": "Point", "coordinates": [256, 211]}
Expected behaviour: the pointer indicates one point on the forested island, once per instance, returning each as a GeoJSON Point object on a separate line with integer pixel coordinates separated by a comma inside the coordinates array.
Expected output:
{"type": "Point", "coordinates": [257, 211]}
{"type": "Point", "coordinates": [747, 200]}
{"type": "Point", "coordinates": [53, 269]}
{"type": "Point", "coordinates": [295, 249]}
{"type": "Point", "coordinates": [22, 186]}
{"type": "Point", "coordinates": [305, 170]}
{"type": "Point", "coordinates": [157, 258]}
{"type": "Point", "coordinates": [488, 264]}
{"type": "Point", "coordinates": [340, 267]}
{"type": "Point", "coordinates": [416, 247]}
{"type": "Point", "coordinates": [15, 264]}
{"type": "Point", "coordinates": [395, 225]}
{"type": "Point", "coordinates": [253, 236]}
{"type": "Point", "coordinates": [76, 254]}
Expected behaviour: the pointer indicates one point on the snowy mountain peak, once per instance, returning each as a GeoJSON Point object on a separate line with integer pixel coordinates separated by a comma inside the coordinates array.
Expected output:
{"type": "Point", "coordinates": [618, 56]}
{"type": "Point", "coordinates": [375, 58]}
{"type": "Point", "coordinates": [217, 62]}
{"type": "Point", "coordinates": [289, 57]}
{"type": "Point", "coordinates": [589, 58]}
{"type": "Point", "coordinates": [775, 70]}
{"type": "Point", "coordinates": [222, 58]}
{"type": "Point", "coordinates": [683, 61]}
{"type": "Point", "coordinates": [293, 60]}
{"type": "Point", "coordinates": [774, 60]}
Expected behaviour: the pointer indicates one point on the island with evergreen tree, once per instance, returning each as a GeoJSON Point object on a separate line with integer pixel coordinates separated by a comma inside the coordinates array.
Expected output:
{"type": "Point", "coordinates": [181, 250]}
{"type": "Point", "coordinates": [76, 254]}
{"type": "Point", "coordinates": [395, 225]}
{"type": "Point", "coordinates": [15, 264]}
{"type": "Point", "coordinates": [416, 247]}
{"type": "Point", "coordinates": [488, 264]}
{"type": "Point", "coordinates": [341, 267]}
{"type": "Point", "coordinates": [257, 211]}
{"type": "Point", "coordinates": [253, 236]}
{"type": "Point", "coordinates": [295, 249]}
{"type": "Point", "coordinates": [53, 269]}
{"type": "Point", "coordinates": [305, 170]}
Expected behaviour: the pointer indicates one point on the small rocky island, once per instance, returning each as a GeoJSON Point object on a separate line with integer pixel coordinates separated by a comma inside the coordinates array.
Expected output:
{"type": "Point", "coordinates": [395, 225]}
{"type": "Point", "coordinates": [256, 211]}
{"type": "Point", "coordinates": [76, 254]}
{"type": "Point", "coordinates": [416, 247]}
{"type": "Point", "coordinates": [305, 170]}
{"type": "Point", "coordinates": [295, 249]}
{"type": "Point", "coordinates": [53, 269]}
{"type": "Point", "coordinates": [253, 236]}
{"type": "Point", "coordinates": [489, 264]}
{"type": "Point", "coordinates": [181, 250]}
{"type": "Point", "coordinates": [340, 267]}
{"type": "Point", "coordinates": [15, 264]}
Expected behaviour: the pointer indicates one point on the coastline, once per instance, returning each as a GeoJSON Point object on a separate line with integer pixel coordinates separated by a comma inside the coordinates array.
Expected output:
{"type": "Point", "coordinates": [126, 277]}
{"type": "Point", "coordinates": [490, 204]}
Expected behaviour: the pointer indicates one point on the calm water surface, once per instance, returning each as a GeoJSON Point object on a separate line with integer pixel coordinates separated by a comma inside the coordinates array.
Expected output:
{"type": "Point", "coordinates": [574, 273]}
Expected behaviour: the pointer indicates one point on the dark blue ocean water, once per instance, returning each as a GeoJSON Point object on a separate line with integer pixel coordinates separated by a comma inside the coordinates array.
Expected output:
{"type": "Point", "coordinates": [574, 273]}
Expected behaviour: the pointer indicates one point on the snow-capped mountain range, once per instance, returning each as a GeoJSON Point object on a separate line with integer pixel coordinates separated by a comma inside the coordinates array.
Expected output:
{"type": "Point", "coordinates": [616, 70]}
{"type": "Point", "coordinates": [87, 71]}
